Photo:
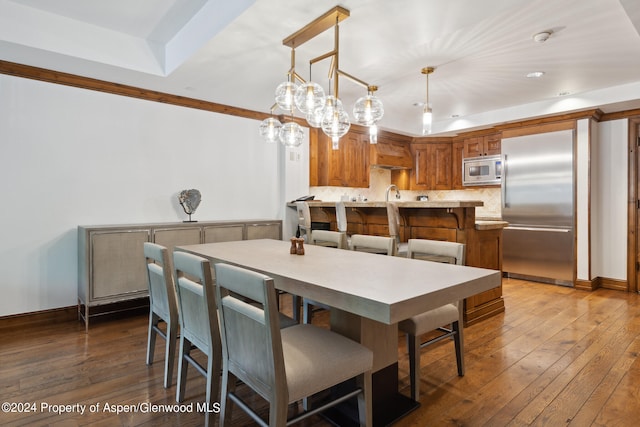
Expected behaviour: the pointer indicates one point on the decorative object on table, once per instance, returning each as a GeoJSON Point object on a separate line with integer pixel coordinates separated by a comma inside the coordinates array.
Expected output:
{"type": "Point", "coordinates": [189, 200]}
{"type": "Point", "coordinates": [300, 249]}
{"type": "Point", "coordinates": [294, 246]}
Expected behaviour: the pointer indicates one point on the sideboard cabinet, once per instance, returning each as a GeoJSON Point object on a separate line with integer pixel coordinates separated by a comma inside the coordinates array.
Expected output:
{"type": "Point", "coordinates": [111, 266]}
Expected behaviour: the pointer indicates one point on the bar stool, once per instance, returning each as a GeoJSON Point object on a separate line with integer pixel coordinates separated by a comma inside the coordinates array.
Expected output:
{"type": "Point", "coordinates": [393, 216]}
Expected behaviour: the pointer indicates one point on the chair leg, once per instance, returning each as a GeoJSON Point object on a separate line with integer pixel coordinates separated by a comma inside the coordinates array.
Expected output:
{"type": "Point", "coordinates": [278, 412]}
{"type": "Point", "coordinates": [229, 382]}
{"type": "Point", "coordinates": [459, 344]}
{"type": "Point", "coordinates": [170, 352]}
{"type": "Point", "coordinates": [365, 406]}
{"type": "Point", "coordinates": [295, 307]}
{"type": "Point", "coordinates": [307, 311]}
{"type": "Point", "coordinates": [414, 365]}
{"type": "Point", "coordinates": [151, 339]}
{"type": "Point", "coordinates": [185, 349]}
{"type": "Point", "coordinates": [213, 381]}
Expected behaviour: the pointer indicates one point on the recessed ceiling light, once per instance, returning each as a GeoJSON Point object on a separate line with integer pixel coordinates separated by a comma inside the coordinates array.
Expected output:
{"type": "Point", "coordinates": [535, 74]}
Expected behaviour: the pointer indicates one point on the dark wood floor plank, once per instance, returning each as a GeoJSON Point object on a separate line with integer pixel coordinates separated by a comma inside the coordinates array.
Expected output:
{"type": "Point", "coordinates": [556, 356]}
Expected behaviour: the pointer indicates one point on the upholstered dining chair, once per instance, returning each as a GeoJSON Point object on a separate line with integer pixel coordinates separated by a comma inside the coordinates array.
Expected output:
{"type": "Point", "coordinates": [281, 365]}
{"type": "Point", "coordinates": [198, 323]}
{"type": "Point", "coordinates": [393, 217]}
{"type": "Point", "coordinates": [438, 318]}
{"type": "Point", "coordinates": [376, 244]}
{"type": "Point", "coordinates": [163, 306]}
{"type": "Point", "coordinates": [334, 239]}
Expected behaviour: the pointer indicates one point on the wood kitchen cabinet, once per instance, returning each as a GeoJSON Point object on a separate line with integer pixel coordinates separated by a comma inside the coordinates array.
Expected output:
{"type": "Point", "coordinates": [432, 166]}
{"type": "Point", "coordinates": [111, 264]}
{"type": "Point", "coordinates": [346, 167]}
{"type": "Point", "coordinates": [457, 154]}
{"type": "Point", "coordinates": [487, 145]}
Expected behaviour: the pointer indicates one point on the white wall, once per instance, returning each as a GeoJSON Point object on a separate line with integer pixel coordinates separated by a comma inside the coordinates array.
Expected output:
{"type": "Point", "coordinates": [609, 191]}
{"type": "Point", "coordinates": [76, 157]}
{"type": "Point", "coordinates": [582, 158]}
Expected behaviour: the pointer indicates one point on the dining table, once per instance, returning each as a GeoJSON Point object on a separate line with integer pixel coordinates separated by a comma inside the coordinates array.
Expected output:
{"type": "Point", "coordinates": [368, 294]}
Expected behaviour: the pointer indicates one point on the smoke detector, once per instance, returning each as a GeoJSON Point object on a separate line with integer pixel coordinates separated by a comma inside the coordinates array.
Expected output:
{"type": "Point", "coordinates": [542, 37]}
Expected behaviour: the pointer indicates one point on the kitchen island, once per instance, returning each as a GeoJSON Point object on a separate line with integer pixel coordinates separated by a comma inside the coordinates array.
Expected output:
{"type": "Point", "coordinates": [450, 220]}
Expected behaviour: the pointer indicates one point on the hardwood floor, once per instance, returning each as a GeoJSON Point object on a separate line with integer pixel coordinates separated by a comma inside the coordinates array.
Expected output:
{"type": "Point", "coordinates": [557, 356]}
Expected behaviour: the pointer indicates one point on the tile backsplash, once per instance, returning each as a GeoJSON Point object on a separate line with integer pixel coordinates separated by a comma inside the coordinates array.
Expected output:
{"type": "Point", "coordinates": [381, 179]}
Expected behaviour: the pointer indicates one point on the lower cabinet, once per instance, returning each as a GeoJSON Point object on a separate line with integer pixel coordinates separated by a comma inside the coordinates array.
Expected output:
{"type": "Point", "coordinates": [111, 266]}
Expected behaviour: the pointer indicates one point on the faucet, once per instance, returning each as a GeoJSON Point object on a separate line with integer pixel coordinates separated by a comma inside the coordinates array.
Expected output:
{"type": "Point", "coordinates": [386, 193]}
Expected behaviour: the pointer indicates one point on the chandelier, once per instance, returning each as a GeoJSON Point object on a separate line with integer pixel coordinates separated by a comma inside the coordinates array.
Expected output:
{"type": "Point", "coordinates": [309, 98]}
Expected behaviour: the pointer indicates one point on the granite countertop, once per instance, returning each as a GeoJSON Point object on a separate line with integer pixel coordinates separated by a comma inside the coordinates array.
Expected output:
{"type": "Point", "coordinates": [490, 224]}
{"type": "Point", "coordinates": [407, 204]}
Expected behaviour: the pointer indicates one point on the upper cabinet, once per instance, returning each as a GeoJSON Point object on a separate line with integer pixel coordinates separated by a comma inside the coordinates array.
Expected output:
{"type": "Point", "coordinates": [431, 166]}
{"type": "Point", "coordinates": [457, 154]}
{"type": "Point", "coordinates": [478, 146]}
{"type": "Point", "coordinates": [346, 167]}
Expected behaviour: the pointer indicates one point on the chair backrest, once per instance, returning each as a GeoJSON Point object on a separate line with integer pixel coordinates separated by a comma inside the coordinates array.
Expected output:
{"type": "Point", "coordinates": [251, 340]}
{"type": "Point", "coordinates": [196, 299]}
{"type": "Point", "coordinates": [435, 250]}
{"type": "Point", "coordinates": [367, 243]}
{"type": "Point", "coordinates": [320, 237]}
{"type": "Point", "coordinates": [162, 292]}
{"type": "Point", "coordinates": [304, 217]}
{"type": "Point", "coordinates": [341, 217]}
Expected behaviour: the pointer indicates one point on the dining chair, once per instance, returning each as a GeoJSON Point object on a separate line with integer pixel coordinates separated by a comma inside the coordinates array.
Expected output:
{"type": "Point", "coordinates": [393, 218]}
{"type": "Point", "coordinates": [163, 306]}
{"type": "Point", "coordinates": [334, 239]}
{"type": "Point", "coordinates": [283, 366]}
{"type": "Point", "coordinates": [438, 318]}
{"type": "Point", "coordinates": [198, 323]}
{"type": "Point", "coordinates": [376, 244]}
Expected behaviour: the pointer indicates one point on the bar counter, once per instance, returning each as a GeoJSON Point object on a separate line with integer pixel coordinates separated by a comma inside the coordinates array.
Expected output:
{"type": "Point", "coordinates": [448, 220]}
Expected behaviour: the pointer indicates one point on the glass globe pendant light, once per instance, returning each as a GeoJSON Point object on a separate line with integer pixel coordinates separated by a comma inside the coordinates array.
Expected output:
{"type": "Point", "coordinates": [270, 129]}
{"type": "Point", "coordinates": [368, 110]}
{"type": "Point", "coordinates": [285, 95]}
{"type": "Point", "coordinates": [309, 97]}
{"type": "Point", "coordinates": [291, 134]}
{"type": "Point", "coordinates": [335, 121]}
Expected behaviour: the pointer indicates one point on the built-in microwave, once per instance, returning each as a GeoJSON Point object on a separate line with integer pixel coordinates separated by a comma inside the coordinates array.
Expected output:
{"type": "Point", "coordinates": [481, 170]}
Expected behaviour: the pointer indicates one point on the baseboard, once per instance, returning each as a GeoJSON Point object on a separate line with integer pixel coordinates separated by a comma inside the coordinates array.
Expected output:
{"type": "Point", "coordinates": [587, 285]}
{"type": "Point", "coordinates": [602, 282]}
{"type": "Point", "coordinates": [55, 315]}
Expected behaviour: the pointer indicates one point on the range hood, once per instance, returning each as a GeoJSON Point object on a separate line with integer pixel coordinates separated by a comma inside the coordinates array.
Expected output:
{"type": "Point", "coordinates": [391, 155]}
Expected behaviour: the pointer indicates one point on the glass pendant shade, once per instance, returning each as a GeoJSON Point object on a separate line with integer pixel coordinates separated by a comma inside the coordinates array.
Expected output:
{"type": "Point", "coordinates": [335, 121]}
{"type": "Point", "coordinates": [309, 97]}
{"type": "Point", "coordinates": [427, 119]}
{"type": "Point", "coordinates": [291, 134]}
{"type": "Point", "coordinates": [373, 134]}
{"type": "Point", "coordinates": [270, 129]}
{"type": "Point", "coordinates": [285, 95]}
{"type": "Point", "coordinates": [368, 110]}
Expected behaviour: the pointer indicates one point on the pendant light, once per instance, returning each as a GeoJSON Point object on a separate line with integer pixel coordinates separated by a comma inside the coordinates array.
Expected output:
{"type": "Point", "coordinates": [427, 115]}
{"type": "Point", "coordinates": [368, 110]}
{"type": "Point", "coordinates": [270, 130]}
{"type": "Point", "coordinates": [335, 121]}
{"type": "Point", "coordinates": [291, 134]}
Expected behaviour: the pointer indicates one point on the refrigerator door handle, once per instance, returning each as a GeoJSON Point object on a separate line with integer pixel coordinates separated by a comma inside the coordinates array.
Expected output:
{"type": "Point", "coordinates": [555, 230]}
{"type": "Point", "coordinates": [504, 182]}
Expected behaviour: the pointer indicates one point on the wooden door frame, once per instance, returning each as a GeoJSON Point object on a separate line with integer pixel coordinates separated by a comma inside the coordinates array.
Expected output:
{"type": "Point", "coordinates": [632, 205]}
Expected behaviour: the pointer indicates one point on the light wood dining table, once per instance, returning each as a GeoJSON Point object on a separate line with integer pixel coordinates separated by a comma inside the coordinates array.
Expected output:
{"type": "Point", "coordinates": [368, 295]}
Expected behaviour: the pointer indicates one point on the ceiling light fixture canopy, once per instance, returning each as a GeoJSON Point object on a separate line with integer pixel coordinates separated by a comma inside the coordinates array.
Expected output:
{"type": "Point", "coordinates": [309, 98]}
{"type": "Point", "coordinates": [427, 114]}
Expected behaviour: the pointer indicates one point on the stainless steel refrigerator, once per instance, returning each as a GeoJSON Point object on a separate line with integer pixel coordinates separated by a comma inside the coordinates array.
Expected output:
{"type": "Point", "coordinates": [537, 200]}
